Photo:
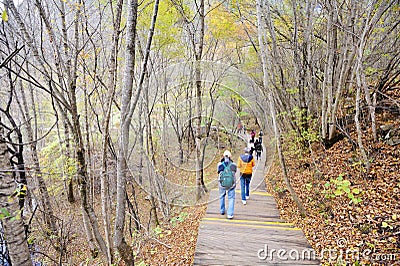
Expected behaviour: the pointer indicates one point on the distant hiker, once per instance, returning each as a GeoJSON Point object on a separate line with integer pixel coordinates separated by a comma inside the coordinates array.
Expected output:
{"type": "Point", "coordinates": [239, 127]}
{"type": "Point", "coordinates": [251, 147]}
{"type": "Point", "coordinates": [227, 183]}
{"type": "Point", "coordinates": [260, 135]}
{"type": "Point", "coordinates": [245, 164]}
{"type": "Point", "coordinates": [252, 136]}
{"type": "Point", "coordinates": [258, 148]}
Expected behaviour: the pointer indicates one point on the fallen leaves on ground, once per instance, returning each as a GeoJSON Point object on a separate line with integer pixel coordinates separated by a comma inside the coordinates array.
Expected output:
{"type": "Point", "coordinates": [175, 241]}
{"type": "Point", "coordinates": [368, 227]}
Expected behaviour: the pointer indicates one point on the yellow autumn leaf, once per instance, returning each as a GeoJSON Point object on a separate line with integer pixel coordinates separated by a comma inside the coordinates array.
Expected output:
{"type": "Point", "coordinates": [4, 16]}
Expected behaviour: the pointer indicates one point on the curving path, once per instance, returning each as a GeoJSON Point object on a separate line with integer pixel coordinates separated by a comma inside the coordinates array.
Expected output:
{"type": "Point", "coordinates": [255, 236]}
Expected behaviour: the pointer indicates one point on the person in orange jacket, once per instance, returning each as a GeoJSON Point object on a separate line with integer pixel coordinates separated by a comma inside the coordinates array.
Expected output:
{"type": "Point", "coordinates": [245, 164]}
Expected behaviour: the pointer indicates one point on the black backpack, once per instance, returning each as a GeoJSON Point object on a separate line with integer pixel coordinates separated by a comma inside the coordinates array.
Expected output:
{"type": "Point", "coordinates": [227, 177]}
{"type": "Point", "coordinates": [258, 146]}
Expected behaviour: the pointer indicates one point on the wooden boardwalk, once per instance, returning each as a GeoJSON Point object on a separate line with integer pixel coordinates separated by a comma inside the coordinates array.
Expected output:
{"type": "Point", "coordinates": [256, 233]}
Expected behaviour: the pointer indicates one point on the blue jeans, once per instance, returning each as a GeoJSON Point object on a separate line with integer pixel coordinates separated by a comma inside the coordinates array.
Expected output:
{"type": "Point", "coordinates": [231, 200]}
{"type": "Point", "coordinates": [245, 185]}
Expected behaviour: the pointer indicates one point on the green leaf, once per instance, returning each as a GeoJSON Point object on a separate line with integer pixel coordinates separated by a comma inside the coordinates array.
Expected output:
{"type": "Point", "coordinates": [340, 178]}
{"type": "Point", "coordinates": [158, 230]}
{"type": "Point", "coordinates": [346, 189]}
{"type": "Point", "coordinates": [350, 196]}
{"type": "Point", "coordinates": [338, 192]}
{"type": "Point", "coordinates": [327, 184]}
{"type": "Point", "coordinates": [346, 183]}
{"type": "Point", "coordinates": [355, 191]}
{"type": "Point", "coordinates": [385, 224]}
{"type": "Point", "coordinates": [4, 16]}
{"type": "Point", "coordinates": [5, 212]}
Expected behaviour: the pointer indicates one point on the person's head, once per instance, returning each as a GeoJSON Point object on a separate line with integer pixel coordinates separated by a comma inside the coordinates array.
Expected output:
{"type": "Point", "coordinates": [256, 140]}
{"type": "Point", "coordinates": [246, 150]}
{"type": "Point", "coordinates": [227, 154]}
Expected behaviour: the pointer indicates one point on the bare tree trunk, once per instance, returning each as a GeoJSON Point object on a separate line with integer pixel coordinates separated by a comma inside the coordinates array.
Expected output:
{"type": "Point", "coordinates": [88, 154]}
{"type": "Point", "coordinates": [358, 126]}
{"type": "Point", "coordinates": [371, 107]}
{"type": "Point", "coordinates": [300, 73]}
{"type": "Point", "coordinates": [104, 178]}
{"type": "Point", "coordinates": [263, 55]}
{"type": "Point", "coordinates": [309, 59]}
{"type": "Point", "coordinates": [282, 160]}
{"type": "Point", "coordinates": [13, 224]}
{"type": "Point", "coordinates": [44, 197]}
{"type": "Point", "coordinates": [200, 187]}
{"type": "Point", "coordinates": [128, 106]}
{"type": "Point", "coordinates": [346, 60]}
{"type": "Point", "coordinates": [119, 240]}
{"type": "Point", "coordinates": [66, 160]}
{"type": "Point", "coordinates": [371, 19]}
{"type": "Point", "coordinates": [70, 179]}
{"type": "Point", "coordinates": [154, 180]}
{"type": "Point", "coordinates": [358, 101]}
{"type": "Point", "coordinates": [328, 76]}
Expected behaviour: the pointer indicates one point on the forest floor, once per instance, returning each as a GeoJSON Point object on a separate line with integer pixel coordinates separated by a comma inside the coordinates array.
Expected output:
{"type": "Point", "coordinates": [347, 209]}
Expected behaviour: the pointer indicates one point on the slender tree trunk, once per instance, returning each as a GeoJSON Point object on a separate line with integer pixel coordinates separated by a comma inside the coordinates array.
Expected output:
{"type": "Point", "coordinates": [104, 178]}
{"type": "Point", "coordinates": [198, 54]}
{"type": "Point", "coordinates": [359, 86]}
{"type": "Point", "coordinates": [300, 73]}
{"type": "Point", "coordinates": [119, 240]}
{"type": "Point", "coordinates": [282, 159]}
{"type": "Point", "coordinates": [88, 154]}
{"type": "Point", "coordinates": [44, 198]}
{"type": "Point", "coordinates": [128, 106]}
{"type": "Point", "coordinates": [67, 159]}
{"type": "Point", "coordinates": [328, 77]}
{"type": "Point", "coordinates": [370, 20]}
{"type": "Point", "coordinates": [358, 125]}
{"type": "Point", "coordinates": [263, 55]}
{"type": "Point", "coordinates": [308, 58]}
{"type": "Point", "coordinates": [346, 64]}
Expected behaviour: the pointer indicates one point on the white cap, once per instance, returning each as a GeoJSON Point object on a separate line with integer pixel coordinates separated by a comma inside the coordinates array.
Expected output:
{"type": "Point", "coordinates": [227, 154]}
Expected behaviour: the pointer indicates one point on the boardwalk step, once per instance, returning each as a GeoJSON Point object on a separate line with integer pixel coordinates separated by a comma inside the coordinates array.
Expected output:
{"type": "Point", "coordinates": [250, 223]}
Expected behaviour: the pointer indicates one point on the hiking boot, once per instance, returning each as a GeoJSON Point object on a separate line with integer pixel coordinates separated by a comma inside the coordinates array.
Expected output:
{"type": "Point", "coordinates": [222, 213]}
{"type": "Point", "coordinates": [247, 197]}
{"type": "Point", "coordinates": [230, 217]}
{"type": "Point", "coordinates": [244, 202]}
